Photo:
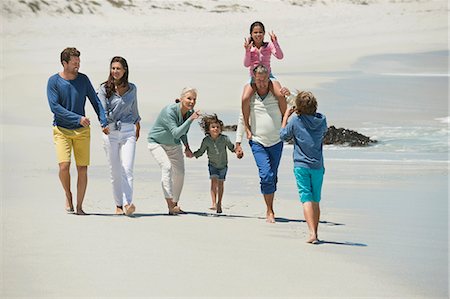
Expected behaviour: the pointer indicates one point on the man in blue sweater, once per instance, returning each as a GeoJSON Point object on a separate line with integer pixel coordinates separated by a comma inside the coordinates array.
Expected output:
{"type": "Point", "coordinates": [307, 129]}
{"type": "Point", "coordinates": [67, 92]}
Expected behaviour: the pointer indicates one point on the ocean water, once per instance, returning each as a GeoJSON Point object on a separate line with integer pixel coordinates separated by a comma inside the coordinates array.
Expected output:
{"type": "Point", "coordinates": [400, 100]}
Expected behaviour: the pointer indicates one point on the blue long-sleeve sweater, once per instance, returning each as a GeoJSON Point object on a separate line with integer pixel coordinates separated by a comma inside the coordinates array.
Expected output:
{"type": "Point", "coordinates": [308, 132]}
{"type": "Point", "coordinates": [67, 99]}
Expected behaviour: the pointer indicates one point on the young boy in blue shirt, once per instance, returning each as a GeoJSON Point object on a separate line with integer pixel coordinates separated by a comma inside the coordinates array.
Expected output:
{"type": "Point", "coordinates": [307, 129]}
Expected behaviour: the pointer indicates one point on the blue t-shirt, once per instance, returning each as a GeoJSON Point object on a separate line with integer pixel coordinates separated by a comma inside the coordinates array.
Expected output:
{"type": "Point", "coordinates": [67, 99]}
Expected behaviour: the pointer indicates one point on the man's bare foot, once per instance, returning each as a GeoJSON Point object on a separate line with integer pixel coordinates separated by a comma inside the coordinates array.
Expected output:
{"type": "Point", "coordinates": [69, 210]}
{"type": "Point", "coordinates": [219, 209]}
{"type": "Point", "coordinates": [119, 210]}
{"type": "Point", "coordinates": [129, 209]}
{"type": "Point", "coordinates": [213, 208]}
{"type": "Point", "coordinates": [270, 218]}
{"type": "Point", "coordinates": [80, 212]}
{"type": "Point", "coordinates": [313, 240]}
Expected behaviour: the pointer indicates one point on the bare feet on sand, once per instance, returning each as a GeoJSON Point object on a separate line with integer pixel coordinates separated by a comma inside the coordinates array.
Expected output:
{"type": "Point", "coordinates": [213, 208]}
{"type": "Point", "coordinates": [270, 218]}
{"type": "Point", "coordinates": [219, 209]}
{"type": "Point", "coordinates": [80, 212]}
{"type": "Point", "coordinates": [119, 210]}
{"type": "Point", "coordinates": [313, 240]}
{"type": "Point", "coordinates": [69, 206]}
{"type": "Point", "coordinates": [129, 209]}
{"type": "Point", "coordinates": [175, 211]}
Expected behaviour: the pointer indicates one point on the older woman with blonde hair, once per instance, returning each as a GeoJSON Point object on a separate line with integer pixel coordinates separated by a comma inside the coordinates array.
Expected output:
{"type": "Point", "coordinates": [164, 142]}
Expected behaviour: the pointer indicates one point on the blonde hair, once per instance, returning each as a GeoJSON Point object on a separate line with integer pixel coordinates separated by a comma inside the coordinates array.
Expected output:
{"type": "Point", "coordinates": [187, 90]}
{"type": "Point", "coordinates": [305, 103]}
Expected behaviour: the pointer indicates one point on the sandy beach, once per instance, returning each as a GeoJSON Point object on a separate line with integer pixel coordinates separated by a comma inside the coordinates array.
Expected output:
{"type": "Point", "coordinates": [384, 221]}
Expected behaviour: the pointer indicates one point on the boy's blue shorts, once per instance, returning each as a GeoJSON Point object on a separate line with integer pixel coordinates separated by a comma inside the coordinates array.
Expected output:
{"type": "Point", "coordinates": [219, 173]}
{"type": "Point", "coordinates": [309, 183]}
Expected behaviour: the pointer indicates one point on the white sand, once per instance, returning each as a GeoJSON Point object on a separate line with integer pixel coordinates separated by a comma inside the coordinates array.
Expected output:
{"type": "Point", "coordinates": [376, 223]}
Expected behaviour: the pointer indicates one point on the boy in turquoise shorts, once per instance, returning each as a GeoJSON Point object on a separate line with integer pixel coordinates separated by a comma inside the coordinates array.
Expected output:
{"type": "Point", "coordinates": [307, 129]}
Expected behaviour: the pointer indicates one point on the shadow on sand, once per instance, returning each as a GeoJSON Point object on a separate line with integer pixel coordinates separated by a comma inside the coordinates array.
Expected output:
{"type": "Point", "coordinates": [346, 243]}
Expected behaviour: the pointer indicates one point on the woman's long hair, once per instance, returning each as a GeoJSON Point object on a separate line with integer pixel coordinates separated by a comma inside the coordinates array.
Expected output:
{"type": "Point", "coordinates": [110, 83]}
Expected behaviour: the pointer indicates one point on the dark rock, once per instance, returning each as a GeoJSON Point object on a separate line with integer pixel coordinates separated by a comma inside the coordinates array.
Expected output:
{"type": "Point", "coordinates": [337, 136]}
{"type": "Point", "coordinates": [229, 128]}
{"type": "Point", "coordinates": [341, 136]}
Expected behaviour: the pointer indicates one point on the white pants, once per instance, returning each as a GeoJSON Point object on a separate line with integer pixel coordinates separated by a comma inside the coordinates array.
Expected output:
{"type": "Point", "coordinates": [171, 161]}
{"type": "Point", "coordinates": [120, 148]}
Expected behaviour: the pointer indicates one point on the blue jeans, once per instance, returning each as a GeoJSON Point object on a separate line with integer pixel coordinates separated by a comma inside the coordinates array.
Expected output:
{"type": "Point", "coordinates": [267, 159]}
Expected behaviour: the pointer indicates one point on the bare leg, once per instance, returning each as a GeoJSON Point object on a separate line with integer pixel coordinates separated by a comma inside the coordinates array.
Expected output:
{"type": "Point", "coordinates": [220, 195]}
{"type": "Point", "coordinates": [270, 215]}
{"type": "Point", "coordinates": [246, 96]}
{"type": "Point", "coordinates": [81, 188]}
{"type": "Point", "coordinates": [316, 209]}
{"type": "Point", "coordinates": [214, 193]}
{"type": "Point", "coordinates": [310, 218]}
{"type": "Point", "coordinates": [64, 177]}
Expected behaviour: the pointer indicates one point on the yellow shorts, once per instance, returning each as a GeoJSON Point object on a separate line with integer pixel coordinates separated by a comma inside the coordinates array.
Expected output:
{"type": "Point", "coordinates": [78, 139]}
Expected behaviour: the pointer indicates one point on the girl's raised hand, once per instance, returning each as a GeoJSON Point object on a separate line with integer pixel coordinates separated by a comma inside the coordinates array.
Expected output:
{"type": "Point", "coordinates": [247, 43]}
{"type": "Point", "coordinates": [273, 37]}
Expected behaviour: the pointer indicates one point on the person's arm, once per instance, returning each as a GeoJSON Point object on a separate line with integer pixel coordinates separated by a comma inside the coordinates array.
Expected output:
{"type": "Point", "coordinates": [247, 58]}
{"type": "Point", "coordinates": [135, 113]}
{"type": "Point", "coordinates": [201, 150]}
{"type": "Point", "coordinates": [238, 150]}
{"type": "Point", "coordinates": [97, 105]}
{"type": "Point", "coordinates": [178, 131]}
{"type": "Point", "coordinates": [239, 134]}
{"type": "Point", "coordinates": [138, 130]}
{"type": "Point", "coordinates": [286, 131]}
{"type": "Point", "coordinates": [245, 107]}
{"type": "Point", "coordinates": [56, 108]}
{"type": "Point", "coordinates": [229, 144]}
{"type": "Point", "coordinates": [275, 47]}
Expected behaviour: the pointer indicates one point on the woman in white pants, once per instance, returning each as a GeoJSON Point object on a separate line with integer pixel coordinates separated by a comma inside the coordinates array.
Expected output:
{"type": "Point", "coordinates": [118, 97]}
{"type": "Point", "coordinates": [164, 143]}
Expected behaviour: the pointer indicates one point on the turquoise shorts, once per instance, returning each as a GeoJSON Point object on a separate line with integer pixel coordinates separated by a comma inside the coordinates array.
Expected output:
{"type": "Point", "coordinates": [309, 183]}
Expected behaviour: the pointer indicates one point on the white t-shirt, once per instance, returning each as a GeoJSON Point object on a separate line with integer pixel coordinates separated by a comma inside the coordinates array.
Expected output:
{"type": "Point", "coordinates": [265, 120]}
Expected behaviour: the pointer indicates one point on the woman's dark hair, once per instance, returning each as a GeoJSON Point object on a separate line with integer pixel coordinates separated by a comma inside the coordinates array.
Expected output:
{"type": "Point", "coordinates": [110, 83]}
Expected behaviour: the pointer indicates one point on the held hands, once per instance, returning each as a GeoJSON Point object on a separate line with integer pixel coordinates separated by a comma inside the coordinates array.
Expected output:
{"type": "Point", "coordinates": [188, 153]}
{"type": "Point", "coordinates": [105, 130]}
{"type": "Point", "coordinates": [238, 151]}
